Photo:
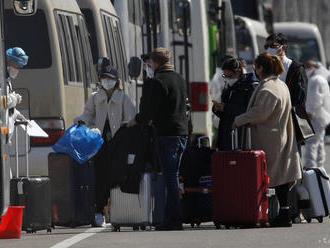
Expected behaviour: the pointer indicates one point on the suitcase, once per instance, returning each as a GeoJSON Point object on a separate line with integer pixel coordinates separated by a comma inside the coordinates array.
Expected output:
{"type": "Point", "coordinates": [72, 191]}
{"type": "Point", "coordinates": [141, 210]}
{"type": "Point", "coordinates": [316, 181]}
{"type": "Point", "coordinates": [240, 186]}
{"type": "Point", "coordinates": [31, 192]}
{"type": "Point", "coordinates": [195, 185]}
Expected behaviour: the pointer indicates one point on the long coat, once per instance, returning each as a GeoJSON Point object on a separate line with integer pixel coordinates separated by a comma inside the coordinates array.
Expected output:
{"type": "Point", "coordinates": [269, 114]}
{"type": "Point", "coordinates": [119, 110]}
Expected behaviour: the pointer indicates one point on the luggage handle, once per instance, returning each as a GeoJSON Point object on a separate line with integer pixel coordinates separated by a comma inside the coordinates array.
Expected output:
{"type": "Point", "coordinates": [234, 139]}
{"type": "Point", "coordinates": [199, 140]}
{"type": "Point", "coordinates": [24, 123]}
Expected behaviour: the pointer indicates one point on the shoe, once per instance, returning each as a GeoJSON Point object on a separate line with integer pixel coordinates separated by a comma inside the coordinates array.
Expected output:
{"type": "Point", "coordinates": [170, 227]}
{"type": "Point", "coordinates": [99, 220]}
{"type": "Point", "coordinates": [283, 219]}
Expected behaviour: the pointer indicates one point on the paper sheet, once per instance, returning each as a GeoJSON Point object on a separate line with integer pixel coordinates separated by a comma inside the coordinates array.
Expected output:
{"type": "Point", "coordinates": [34, 130]}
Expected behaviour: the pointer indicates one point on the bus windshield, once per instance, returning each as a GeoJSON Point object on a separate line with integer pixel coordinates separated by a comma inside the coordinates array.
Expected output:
{"type": "Point", "coordinates": [31, 34]}
{"type": "Point", "coordinates": [302, 50]}
{"type": "Point", "coordinates": [244, 44]}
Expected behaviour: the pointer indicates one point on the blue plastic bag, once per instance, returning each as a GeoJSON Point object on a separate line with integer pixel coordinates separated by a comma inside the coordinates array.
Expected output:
{"type": "Point", "coordinates": [80, 143]}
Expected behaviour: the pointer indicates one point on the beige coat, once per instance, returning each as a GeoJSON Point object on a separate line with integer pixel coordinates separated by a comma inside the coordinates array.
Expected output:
{"type": "Point", "coordinates": [269, 114]}
{"type": "Point", "coordinates": [119, 109]}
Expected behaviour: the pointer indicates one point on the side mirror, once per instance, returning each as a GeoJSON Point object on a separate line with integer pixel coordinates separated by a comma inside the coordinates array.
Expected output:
{"type": "Point", "coordinates": [134, 67]}
{"type": "Point", "coordinates": [25, 7]}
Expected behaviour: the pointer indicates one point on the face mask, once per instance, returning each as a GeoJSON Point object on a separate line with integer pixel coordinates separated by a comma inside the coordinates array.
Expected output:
{"type": "Point", "coordinates": [150, 72]}
{"type": "Point", "coordinates": [309, 72]}
{"type": "Point", "coordinates": [274, 51]}
{"type": "Point", "coordinates": [230, 81]}
{"type": "Point", "coordinates": [108, 84]}
{"type": "Point", "coordinates": [13, 72]}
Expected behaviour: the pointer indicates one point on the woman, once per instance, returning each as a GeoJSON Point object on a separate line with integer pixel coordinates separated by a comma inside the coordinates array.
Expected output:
{"type": "Point", "coordinates": [235, 97]}
{"type": "Point", "coordinates": [269, 114]}
{"type": "Point", "coordinates": [106, 110]}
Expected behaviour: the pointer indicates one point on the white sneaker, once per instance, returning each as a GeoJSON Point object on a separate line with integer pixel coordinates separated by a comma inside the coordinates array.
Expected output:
{"type": "Point", "coordinates": [99, 220]}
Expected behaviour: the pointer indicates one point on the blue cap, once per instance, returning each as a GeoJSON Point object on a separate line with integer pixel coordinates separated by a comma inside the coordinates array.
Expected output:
{"type": "Point", "coordinates": [17, 56]}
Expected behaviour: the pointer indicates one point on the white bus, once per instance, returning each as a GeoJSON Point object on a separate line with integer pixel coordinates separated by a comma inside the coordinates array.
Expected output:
{"type": "Point", "coordinates": [60, 71]}
{"type": "Point", "coordinates": [304, 41]}
{"type": "Point", "coordinates": [250, 38]}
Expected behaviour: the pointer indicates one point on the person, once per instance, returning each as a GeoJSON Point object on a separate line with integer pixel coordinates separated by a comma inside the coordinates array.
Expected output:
{"type": "Point", "coordinates": [16, 60]}
{"type": "Point", "coordinates": [318, 109]}
{"type": "Point", "coordinates": [269, 115]}
{"type": "Point", "coordinates": [106, 110]}
{"type": "Point", "coordinates": [166, 110]}
{"type": "Point", "coordinates": [235, 97]}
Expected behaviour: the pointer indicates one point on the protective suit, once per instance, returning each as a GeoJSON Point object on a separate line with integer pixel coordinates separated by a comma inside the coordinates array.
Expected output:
{"type": "Point", "coordinates": [318, 106]}
{"type": "Point", "coordinates": [217, 86]}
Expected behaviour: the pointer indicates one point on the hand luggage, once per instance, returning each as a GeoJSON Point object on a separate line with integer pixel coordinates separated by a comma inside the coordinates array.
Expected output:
{"type": "Point", "coordinates": [240, 184]}
{"type": "Point", "coordinates": [141, 210]}
{"type": "Point", "coordinates": [72, 191]}
{"type": "Point", "coordinates": [316, 181]}
{"type": "Point", "coordinates": [31, 192]}
{"type": "Point", "coordinates": [195, 183]}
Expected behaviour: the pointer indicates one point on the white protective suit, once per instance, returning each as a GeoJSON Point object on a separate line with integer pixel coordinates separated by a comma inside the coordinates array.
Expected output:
{"type": "Point", "coordinates": [217, 86]}
{"type": "Point", "coordinates": [318, 106]}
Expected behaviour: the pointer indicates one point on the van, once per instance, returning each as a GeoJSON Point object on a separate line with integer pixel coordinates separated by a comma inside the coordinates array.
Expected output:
{"type": "Point", "coordinates": [56, 81]}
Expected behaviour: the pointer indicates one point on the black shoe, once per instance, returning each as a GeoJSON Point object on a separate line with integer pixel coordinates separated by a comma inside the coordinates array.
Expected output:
{"type": "Point", "coordinates": [170, 227]}
{"type": "Point", "coordinates": [282, 220]}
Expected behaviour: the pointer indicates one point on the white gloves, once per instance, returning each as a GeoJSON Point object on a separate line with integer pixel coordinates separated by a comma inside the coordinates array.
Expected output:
{"type": "Point", "coordinates": [96, 130]}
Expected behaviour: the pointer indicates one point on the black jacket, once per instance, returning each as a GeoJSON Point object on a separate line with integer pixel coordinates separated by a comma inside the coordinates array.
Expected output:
{"type": "Point", "coordinates": [132, 151]}
{"type": "Point", "coordinates": [236, 100]}
{"type": "Point", "coordinates": [163, 102]}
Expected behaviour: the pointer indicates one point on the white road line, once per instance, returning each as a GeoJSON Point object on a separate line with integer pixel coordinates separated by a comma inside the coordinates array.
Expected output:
{"type": "Point", "coordinates": [77, 238]}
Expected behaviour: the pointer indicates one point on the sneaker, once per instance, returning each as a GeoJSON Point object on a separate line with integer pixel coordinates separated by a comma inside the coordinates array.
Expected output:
{"type": "Point", "coordinates": [283, 219]}
{"type": "Point", "coordinates": [99, 220]}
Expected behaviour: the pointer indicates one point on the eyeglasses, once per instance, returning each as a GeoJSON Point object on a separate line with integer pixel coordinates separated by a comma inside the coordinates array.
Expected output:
{"type": "Point", "coordinates": [226, 76]}
{"type": "Point", "coordinates": [274, 45]}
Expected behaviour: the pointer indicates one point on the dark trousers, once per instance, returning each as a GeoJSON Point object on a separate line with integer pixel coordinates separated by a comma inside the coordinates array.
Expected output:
{"type": "Point", "coordinates": [282, 193]}
{"type": "Point", "coordinates": [102, 191]}
{"type": "Point", "coordinates": [171, 149]}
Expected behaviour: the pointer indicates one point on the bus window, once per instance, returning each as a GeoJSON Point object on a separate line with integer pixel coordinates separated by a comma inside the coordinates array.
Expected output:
{"type": "Point", "coordinates": [176, 16]}
{"type": "Point", "coordinates": [261, 42]}
{"type": "Point", "coordinates": [30, 33]}
{"type": "Point", "coordinates": [302, 50]}
{"type": "Point", "coordinates": [244, 44]}
{"type": "Point", "coordinates": [109, 40]}
{"type": "Point", "coordinates": [135, 12]}
{"type": "Point", "coordinates": [91, 29]}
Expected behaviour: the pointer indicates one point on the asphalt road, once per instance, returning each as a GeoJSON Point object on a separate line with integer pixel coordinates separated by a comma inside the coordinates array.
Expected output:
{"type": "Point", "coordinates": [303, 235]}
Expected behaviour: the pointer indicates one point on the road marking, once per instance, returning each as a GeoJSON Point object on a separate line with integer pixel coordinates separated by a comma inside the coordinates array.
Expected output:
{"type": "Point", "coordinates": [79, 237]}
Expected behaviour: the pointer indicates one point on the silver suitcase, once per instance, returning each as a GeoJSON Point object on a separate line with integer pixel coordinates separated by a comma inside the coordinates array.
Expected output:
{"type": "Point", "coordinates": [316, 181]}
{"type": "Point", "coordinates": [139, 210]}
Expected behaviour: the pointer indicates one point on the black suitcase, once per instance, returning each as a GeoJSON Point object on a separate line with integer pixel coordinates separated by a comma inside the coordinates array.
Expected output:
{"type": "Point", "coordinates": [195, 183]}
{"type": "Point", "coordinates": [31, 192]}
{"type": "Point", "coordinates": [72, 191]}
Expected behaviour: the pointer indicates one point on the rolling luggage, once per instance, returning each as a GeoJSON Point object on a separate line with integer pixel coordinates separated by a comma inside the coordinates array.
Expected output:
{"type": "Point", "coordinates": [240, 186]}
{"type": "Point", "coordinates": [141, 210]}
{"type": "Point", "coordinates": [31, 192]}
{"type": "Point", "coordinates": [195, 184]}
{"type": "Point", "coordinates": [72, 191]}
{"type": "Point", "coordinates": [316, 181]}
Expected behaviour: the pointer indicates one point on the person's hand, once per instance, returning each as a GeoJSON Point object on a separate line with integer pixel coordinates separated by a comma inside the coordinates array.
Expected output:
{"type": "Point", "coordinates": [81, 123]}
{"type": "Point", "coordinates": [310, 116]}
{"type": "Point", "coordinates": [234, 126]}
{"type": "Point", "coordinates": [132, 123]}
{"type": "Point", "coordinates": [219, 106]}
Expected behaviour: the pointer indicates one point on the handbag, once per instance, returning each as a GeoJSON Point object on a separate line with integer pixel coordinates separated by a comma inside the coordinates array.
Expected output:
{"type": "Point", "coordinates": [302, 125]}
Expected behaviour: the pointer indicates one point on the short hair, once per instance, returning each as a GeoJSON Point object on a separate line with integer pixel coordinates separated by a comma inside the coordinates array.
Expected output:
{"type": "Point", "coordinates": [278, 38]}
{"type": "Point", "coordinates": [232, 64]}
{"type": "Point", "coordinates": [272, 65]}
{"type": "Point", "coordinates": [160, 55]}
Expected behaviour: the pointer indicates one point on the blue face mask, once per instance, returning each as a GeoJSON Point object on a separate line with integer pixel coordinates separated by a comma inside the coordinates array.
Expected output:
{"type": "Point", "coordinates": [108, 84]}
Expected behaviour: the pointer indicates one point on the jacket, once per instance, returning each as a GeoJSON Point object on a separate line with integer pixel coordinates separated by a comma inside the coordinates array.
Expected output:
{"type": "Point", "coordinates": [132, 151]}
{"type": "Point", "coordinates": [236, 100]}
{"type": "Point", "coordinates": [119, 110]}
{"type": "Point", "coordinates": [318, 99]}
{"type": "Point", "coordinates": [164, 103]}
{"type": "Point", "coordinates": [269, 114]}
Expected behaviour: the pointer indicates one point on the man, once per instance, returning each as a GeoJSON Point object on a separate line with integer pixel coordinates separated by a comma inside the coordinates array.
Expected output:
{"type": "Point", "coordinates": [318, 109]}
{"type": "Point", "coordinates": [165, 108]}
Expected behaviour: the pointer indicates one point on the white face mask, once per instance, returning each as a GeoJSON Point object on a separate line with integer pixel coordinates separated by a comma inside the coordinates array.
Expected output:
{"type": "Point", "coordinates": [274, 51]}
{"type": "Point", "coordinates": [150, 72]}
{"type": "Point", "coordinates": [108, 84]}
{"type": "Point", "coordinates": [230, 81]}
{"type": "Point", "coordinates": [13, 72]}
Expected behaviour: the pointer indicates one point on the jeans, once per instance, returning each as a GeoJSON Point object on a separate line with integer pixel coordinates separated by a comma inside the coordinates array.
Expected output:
{"type": "Point", "coordinates": [170, 151]}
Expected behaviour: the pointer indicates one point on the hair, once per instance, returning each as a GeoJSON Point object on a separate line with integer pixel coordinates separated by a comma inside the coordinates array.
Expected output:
{"type": "Point", "coordinates": [233, 64]}
{"type": "Point", "coordinates": [278, 38]}
{"type": "Point", "coordinates": [271, 65]}
{"type": "Point", "coordinates": [312, 63]}
{"type": "Point", "coordinates": [224, 58]}
{"type": "Point", "coordinates": [160, 56]}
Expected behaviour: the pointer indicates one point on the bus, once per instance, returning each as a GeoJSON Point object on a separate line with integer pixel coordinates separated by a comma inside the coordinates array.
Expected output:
{"type": "Point", "coordinates": [59, 75]}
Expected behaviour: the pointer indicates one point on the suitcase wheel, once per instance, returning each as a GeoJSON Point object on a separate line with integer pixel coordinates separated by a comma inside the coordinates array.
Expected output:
{"type": "Point", "coordinates": [115, 228]}
{"type": "Point", "coordinates": [309, 220]}
{"type": "Point", "coordinates": [192, 225]}
{"type": "Point", "coordinates": [49, 230]}
{"type": "Point", "coordinates": [320, 219]}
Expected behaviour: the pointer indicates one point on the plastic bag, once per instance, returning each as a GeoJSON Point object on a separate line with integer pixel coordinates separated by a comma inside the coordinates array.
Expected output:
{"type": "Point", "coordinates": [80, 142]}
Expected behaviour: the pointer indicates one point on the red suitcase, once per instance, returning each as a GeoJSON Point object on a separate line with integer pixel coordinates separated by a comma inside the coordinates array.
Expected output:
{"type": "Point", "coordinates": [240, 184]}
